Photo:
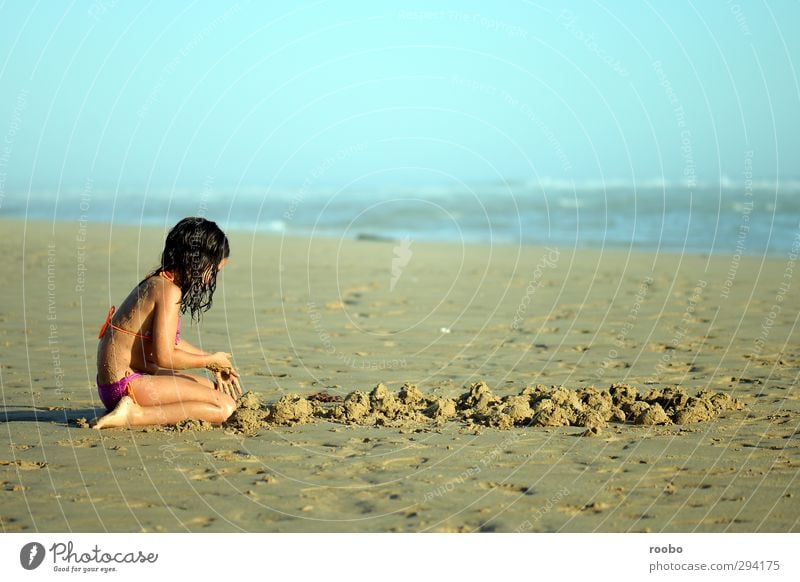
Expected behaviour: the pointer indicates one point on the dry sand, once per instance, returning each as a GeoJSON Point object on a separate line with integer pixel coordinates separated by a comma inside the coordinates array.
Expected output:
{"type": "Point", "coordinates": [477, 388]}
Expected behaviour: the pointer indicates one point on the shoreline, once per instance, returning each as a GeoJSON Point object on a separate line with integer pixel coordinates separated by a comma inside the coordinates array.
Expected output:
{"type": "Point", "coordinates": [377, 238]}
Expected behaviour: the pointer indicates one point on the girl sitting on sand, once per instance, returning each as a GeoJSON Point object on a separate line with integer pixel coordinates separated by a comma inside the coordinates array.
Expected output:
{"type": "Point", "coordinates": [141, 348]}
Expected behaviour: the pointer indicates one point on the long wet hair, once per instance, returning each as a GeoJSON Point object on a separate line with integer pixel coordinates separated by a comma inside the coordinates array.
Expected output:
{"type": "Point", "coordinates": [192, 253]}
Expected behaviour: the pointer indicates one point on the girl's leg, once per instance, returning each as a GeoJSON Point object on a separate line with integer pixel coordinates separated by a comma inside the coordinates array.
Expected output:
{"type": "Point", "coordinates": [202, 380]}
{"type": "Point", "coordinates": [168, 398]}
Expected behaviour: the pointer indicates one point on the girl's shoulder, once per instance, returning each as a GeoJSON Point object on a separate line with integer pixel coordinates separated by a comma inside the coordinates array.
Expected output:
{"type": "Point", "coordinates": [163, 283]}
{"type": "Point", "coordinates": [167, 279]}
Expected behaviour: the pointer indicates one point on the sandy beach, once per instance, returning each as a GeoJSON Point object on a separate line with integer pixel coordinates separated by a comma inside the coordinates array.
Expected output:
{"type": "Point", "coordinates": [304, 315]}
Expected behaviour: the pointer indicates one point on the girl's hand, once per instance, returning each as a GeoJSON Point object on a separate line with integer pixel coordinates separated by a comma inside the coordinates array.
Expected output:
{"type": "Point", "coordinates": [227, 378]}
{"type": "Point", "coordinates": [227, 381]}
{"type": "Point", "coordinates": [219, 361]}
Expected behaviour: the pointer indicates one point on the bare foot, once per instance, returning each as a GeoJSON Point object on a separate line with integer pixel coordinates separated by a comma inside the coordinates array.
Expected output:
{"type": "Point", "coordinates": [120, 416]}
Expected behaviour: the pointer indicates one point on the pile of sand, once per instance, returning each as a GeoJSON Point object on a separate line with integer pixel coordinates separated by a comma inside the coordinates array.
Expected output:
{"type": "Point", "coordinates": [538, 405]}
{"type": "Point", "coordinates": [249, 415]}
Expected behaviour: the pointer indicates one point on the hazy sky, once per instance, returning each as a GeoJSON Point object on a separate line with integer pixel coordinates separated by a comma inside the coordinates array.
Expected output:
{"type": "Point", "coordinates": [174, 94]}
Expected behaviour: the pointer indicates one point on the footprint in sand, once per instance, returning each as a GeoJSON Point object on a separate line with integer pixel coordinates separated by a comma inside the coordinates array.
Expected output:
{"type": "Point", "coordinates": [24, 465]}
{"type": "Point", "coordinates": [201, 521]}
{"type": "Point", "coordinates": [659, 347]}
{"type": "Point", "coordinates": [351, 297]}
{"type": "Point", "coordinates": [86, 443]}
{"type": "Point", "coordinates": [680, 367]}
{"type": "Point", "coordinates": [508, 487]}
{"type": "Point", "coordinates": [723, 520]}
{"type": "Point", "coordinates": [224, 472]}
{"type": "Point", "coordinates": [9, 524]}
{"type": "Point", "coordinates": [238, 471]}
{"type": "Point", "coordinates": [265, 479]}
{"type": "Point", "coordinates": [596, 507]}
{"type": "Point", "coordinates": [234, 456]}
{"type": "Point", "coordinates": [615, 364]}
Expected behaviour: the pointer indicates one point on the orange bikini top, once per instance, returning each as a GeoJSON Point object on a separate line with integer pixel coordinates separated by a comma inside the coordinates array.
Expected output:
{"type": "Point", "coordinates": [147, 335]}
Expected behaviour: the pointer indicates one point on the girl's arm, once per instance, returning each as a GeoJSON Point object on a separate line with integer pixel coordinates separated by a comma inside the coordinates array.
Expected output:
{"type": "Point", "coordinates": [227, 380]}
{"type": "Point", "coordinates": [165, 325]}
{"type": "Point", "coordinates": [187, 347]}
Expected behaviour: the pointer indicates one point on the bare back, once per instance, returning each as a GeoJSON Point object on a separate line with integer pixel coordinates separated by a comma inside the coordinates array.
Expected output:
{"type": "Point", "coordinates": [151, 309]}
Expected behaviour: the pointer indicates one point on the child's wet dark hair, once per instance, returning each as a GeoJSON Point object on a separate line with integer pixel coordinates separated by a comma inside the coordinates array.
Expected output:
{"type": "Point", "coordinates": [192, 253]}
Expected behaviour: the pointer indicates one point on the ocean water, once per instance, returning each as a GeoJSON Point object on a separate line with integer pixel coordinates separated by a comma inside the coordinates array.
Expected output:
{"type": "Point", "coordinates": [752, 218]}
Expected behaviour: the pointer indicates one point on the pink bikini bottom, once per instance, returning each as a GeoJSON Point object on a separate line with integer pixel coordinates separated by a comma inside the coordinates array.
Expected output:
{"type": "Point", "coordinates": [111, 394]}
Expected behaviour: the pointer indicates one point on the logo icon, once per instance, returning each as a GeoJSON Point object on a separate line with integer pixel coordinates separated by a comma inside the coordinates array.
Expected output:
{"type": "Point", "coordinates": [402, 255]}
{"type": "Point", "coordinates": [31, 555]}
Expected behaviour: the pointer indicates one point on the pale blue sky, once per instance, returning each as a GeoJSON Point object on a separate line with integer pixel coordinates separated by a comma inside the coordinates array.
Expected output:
{"type": "Point", "coordinates": [168, 94]}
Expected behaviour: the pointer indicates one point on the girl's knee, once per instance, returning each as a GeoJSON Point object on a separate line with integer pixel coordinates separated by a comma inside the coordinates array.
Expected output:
{"type": "Point", "coordinates": [229, 410]}
{"type": "Point", "coordinates": [227, 406]}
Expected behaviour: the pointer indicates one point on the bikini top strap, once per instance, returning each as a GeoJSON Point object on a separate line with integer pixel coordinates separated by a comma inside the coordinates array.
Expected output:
{"type": "Point", "coordinates": [168, 276]}
{"type": "Point", "coordinates": [107, 322]}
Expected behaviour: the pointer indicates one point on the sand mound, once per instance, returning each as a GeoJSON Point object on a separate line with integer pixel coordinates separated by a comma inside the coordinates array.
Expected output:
{"type": "Point", "coordinates": [249, 401]}
{"type": "Point", "coordinates": [479, 399]}
{"type": "Point", "coordinates": [290, 409]}
{"type": "Point", "coordinates": [440, 409]}
{"type": "Point", "coordinates": [588, 407]}
{"type": "Point", "coordinates": [249, 416]}
{"type": "Point", "coordinates": [355, 409]}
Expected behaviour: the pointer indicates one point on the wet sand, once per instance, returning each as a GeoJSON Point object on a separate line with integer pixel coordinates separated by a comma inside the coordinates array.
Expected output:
{"type": "Point", "coordinates": [310, 315]}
